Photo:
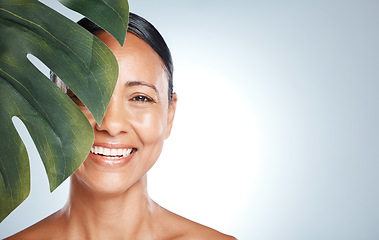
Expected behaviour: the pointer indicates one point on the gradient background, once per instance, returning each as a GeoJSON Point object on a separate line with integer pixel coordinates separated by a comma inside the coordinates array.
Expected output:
{"type": "Point", "coordinates": [276, 133]}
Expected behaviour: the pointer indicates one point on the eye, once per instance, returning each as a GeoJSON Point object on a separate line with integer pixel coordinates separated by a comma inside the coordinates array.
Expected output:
{"type": "Point", "coordinates": [141, 98]}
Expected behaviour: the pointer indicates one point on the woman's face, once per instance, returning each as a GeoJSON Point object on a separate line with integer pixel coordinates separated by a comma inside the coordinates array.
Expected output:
{"type": "Point", "coordinates": [137, 121]}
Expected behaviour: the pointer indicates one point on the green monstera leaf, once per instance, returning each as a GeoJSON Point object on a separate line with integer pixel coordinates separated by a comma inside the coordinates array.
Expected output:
{"type": "Point", "coordinates": [59, 129]}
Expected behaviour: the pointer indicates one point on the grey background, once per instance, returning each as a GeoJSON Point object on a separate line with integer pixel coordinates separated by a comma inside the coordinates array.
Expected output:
{"type": "Point", "coordinates": [277, 128]}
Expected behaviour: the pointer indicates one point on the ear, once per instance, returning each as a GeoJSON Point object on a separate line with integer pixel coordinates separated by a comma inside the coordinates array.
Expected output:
{"type": "Point", "coordinates": [171, 115]}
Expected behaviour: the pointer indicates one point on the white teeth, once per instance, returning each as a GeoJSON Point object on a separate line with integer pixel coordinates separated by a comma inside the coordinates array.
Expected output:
{"type": "Point", "coordinates": [106, 151]}
{"type": "Point", "coordinates": [97, 149]}
{"type": "Point", "coordinates": [128, 151]}
{"type": "Point", "coordinates": [112, 153]}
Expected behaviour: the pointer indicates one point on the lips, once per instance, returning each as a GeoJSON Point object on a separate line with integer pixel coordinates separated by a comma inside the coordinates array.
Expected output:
{"type": "Point", "coordinates": [111, 157]}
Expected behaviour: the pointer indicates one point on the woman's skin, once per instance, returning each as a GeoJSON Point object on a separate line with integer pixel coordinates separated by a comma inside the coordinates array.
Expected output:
{"type": "Point", "coordinates": [108, 197]}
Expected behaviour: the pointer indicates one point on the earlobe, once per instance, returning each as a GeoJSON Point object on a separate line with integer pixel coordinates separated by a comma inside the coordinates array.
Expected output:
{"type": "Point", "coordinates": [171, 115]}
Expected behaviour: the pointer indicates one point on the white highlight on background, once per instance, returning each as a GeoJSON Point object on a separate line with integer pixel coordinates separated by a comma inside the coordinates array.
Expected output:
{"type": "Point", "coordinates": [205, 170]}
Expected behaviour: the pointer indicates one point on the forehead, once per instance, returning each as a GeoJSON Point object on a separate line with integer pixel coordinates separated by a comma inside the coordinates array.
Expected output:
{"type": "Point", "coordinates": [137, 60]}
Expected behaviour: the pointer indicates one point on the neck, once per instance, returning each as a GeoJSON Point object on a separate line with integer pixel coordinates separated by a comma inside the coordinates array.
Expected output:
{"type": "Point", "coordinates": [93, 215]}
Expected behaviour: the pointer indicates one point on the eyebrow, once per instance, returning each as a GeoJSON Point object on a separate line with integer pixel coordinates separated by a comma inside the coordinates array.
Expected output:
{"type": "Point", "coordinates": [138, 83]}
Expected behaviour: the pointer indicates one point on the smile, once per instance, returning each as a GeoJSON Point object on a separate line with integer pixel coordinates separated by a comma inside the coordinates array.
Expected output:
{"type": "Point", "coordinates": [111, 153]}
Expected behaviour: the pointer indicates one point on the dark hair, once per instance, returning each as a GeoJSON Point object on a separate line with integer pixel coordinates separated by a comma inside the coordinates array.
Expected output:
{"type": "Point", "coordinates": [145, 31]}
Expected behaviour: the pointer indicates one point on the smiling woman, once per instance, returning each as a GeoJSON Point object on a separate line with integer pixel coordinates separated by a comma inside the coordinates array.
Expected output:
{"type": "Point", "coordinates": [108, 193]}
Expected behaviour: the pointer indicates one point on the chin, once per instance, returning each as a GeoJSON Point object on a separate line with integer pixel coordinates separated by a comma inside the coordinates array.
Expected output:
{"type": "Point", "coordinates": [94, 177]}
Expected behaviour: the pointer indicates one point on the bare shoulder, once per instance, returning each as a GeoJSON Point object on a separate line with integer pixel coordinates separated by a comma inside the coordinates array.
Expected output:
{"type": "Point", "coordinates": [45, 229]}
{"type": "Point", "coordinates": [178, 228]}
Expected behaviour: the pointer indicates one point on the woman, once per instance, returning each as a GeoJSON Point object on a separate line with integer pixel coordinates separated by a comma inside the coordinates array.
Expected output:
{"type": "Point", "coordinates": [108, 193]}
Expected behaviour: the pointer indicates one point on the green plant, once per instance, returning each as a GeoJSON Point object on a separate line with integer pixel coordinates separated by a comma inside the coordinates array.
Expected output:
{"type": "Point", "coordinates": [60, 131]}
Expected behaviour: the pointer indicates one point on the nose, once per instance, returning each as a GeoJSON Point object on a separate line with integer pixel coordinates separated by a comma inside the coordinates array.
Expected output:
{"type": "Point", "coordinates": [114, 121]}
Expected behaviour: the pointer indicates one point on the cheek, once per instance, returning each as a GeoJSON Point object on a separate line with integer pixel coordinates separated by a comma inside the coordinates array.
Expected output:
{"type": "Point", "coordinates": [150, 125]}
